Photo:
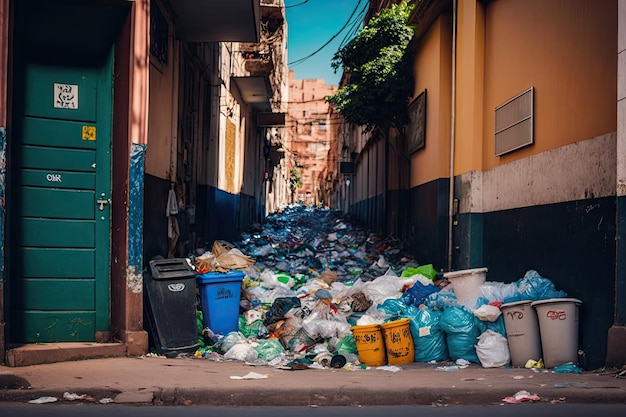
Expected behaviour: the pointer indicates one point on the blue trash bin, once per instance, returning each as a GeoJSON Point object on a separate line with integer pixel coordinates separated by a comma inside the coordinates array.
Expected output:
{"type": "Point", "coordinates": [219, 296]}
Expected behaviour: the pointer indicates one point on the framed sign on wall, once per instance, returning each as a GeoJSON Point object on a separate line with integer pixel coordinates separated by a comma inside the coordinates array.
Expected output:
{"type": "Point", "coordinates": [416, 132]}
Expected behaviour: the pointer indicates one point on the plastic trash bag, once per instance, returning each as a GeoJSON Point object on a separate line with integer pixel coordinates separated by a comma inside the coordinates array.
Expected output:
{"type": "Point", "coordinates": [418, 293]}
{"type": "Point", "coordinates": [461, 332]}
{"type": "Point", "coordinates": [498, 291]}
{"type": "Point", "coordinates": [426, 270]}
{"type": "Point", "coordinates": [492, 350]}
{"type": "Point", "coordinates": [324, 322]}
{"type": "Point", "coordinates": [279, 308]}
{"type": "Point", "coordinates": [497, 326]}
{"type": "Point", "coordinates": [243, 352]}
{"type": "Point", "coordinates": [487, 312]}
{"type": "Point", "coordinates": [393, 307]}
{"type": "Point", "coordinates": [230, 340]}
{"type": "Point", "coordinates": [534, 287]}
{"type": "Point", "coordinates": [347, 345]}
{"type": "Point", "coordinates": [567, 368]}
{"type": "Point", "coordinates": [269, 349]}
{"type": "Point", "coordinates": [442, 299]}
{"type": "Point", "coordinates": [429, 339]}
{"type": "Point", "coordinates": [252, 327]}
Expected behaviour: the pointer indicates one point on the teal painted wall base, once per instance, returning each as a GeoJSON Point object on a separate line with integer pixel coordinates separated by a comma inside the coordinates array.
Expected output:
{"type": "Point", "coordinates": [427, 223]}
{"type": "Point", "coordinates": [370, 213]}
{"type": "Point", "coordinates": [573, 245]}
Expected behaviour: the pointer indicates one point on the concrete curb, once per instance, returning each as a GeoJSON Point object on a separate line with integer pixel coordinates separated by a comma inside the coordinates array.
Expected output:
{"type": "Point", "coordinates": [332, 396]}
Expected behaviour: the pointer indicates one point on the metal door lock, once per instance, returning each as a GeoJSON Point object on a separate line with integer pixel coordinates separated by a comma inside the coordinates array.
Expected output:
{"type": "Point", "coordinates": [102, 203]}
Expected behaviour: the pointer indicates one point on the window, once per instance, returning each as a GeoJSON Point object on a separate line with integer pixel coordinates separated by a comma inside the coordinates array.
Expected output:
{"type": "Point", "coordinates": [514, 123]}
{"type": "Point", "coordinates": [159, 35]}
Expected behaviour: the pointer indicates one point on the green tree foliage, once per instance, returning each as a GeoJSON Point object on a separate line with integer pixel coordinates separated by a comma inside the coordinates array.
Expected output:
{"type": "Point", "coordinates": [379, 64]}
{"type": "Point", "coordinates": [295, 180]}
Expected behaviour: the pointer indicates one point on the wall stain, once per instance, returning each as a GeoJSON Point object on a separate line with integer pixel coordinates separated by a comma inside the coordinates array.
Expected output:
{"type": "Point", "coordinates": [134, 280]}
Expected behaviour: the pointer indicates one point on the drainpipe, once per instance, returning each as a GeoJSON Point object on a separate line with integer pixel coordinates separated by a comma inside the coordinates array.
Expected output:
{"type": "Point", "coordinates": [452, 136]}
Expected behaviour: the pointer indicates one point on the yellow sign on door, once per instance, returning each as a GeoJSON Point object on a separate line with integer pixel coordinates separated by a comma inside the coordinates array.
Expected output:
{"type": "Point", "coordinates": [89, 133]}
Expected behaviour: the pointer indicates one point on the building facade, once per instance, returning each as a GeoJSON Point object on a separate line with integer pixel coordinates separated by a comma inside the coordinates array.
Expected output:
{"type": "Point", "coordinates": [310, 126]}
{"type": "Point", "coordinates": [516, 152]}
{"type": "Point", "coordinates": [129, 131]}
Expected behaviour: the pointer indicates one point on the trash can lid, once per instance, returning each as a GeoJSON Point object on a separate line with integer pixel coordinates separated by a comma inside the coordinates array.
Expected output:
{"type": "Point", "coordinates": [456, 274]}
{"type": "Point", "coordinates": [556, 300]}
{"type": "Point", "coordinates": [515, 303]}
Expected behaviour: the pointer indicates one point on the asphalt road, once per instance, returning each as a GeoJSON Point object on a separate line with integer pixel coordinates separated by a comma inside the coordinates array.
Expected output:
{"type": "Point", "coordinates": [511, 410]}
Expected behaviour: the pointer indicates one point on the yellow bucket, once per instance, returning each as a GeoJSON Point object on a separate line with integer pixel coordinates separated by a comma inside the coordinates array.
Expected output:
{"type": "Point", "coordinates": [399, 341]}
{"type": "Point", "coordinates": [369, 344]}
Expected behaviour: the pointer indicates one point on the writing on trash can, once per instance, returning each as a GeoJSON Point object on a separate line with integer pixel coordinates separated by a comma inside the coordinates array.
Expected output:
{"type": "Point", "coordinates": [224, 293]}
{"type": "Point", "coordinates": [515, 315]}
{"type": "Point", "coordinates": [556, 315]}
{"type": "Point", "coordinates": [177, 287]}
{"type": "Point", "coordinates": [395, 336]}
{"type": "Point", "coordinates": [366, 338]}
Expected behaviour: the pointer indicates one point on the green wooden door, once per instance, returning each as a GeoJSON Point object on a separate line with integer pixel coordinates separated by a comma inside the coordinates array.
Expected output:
{"type": "Point", "coordinates": [60, 208]}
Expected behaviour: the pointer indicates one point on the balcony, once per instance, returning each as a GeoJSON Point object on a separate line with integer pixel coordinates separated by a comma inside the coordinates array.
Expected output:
{"type": "Point", "coordinates": [258, 65]}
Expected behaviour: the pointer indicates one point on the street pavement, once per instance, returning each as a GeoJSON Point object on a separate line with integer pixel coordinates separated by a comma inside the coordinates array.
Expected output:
{"type": "Point", "coordinates": [193, 381]}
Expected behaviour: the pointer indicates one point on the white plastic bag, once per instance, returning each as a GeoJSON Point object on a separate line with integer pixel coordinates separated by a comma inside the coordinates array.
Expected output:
{"type": "Point", "coordinates": [492, 350]}
{"type": "Point", "coordinates": [487, 312]}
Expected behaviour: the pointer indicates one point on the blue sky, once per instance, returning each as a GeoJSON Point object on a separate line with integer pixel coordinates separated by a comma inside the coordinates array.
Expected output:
{"type": "Point", "coordinates": [313, 23]}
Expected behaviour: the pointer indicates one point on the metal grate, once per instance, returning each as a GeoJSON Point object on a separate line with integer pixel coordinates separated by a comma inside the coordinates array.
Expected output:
{"type": "Point", "coordinates": [514, 123]}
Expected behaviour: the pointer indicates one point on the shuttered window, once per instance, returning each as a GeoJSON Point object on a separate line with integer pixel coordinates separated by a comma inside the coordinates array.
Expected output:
{"type": "Point", "coordinates": [514, 123]}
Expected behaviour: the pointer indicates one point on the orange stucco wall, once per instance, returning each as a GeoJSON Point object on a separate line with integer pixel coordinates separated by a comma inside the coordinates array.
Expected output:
{"type": "Point", "coordinates": [502, 49]}
{"type": "Point", "coordinates": [468, 151]}
{"type": "Point", "coordinates": [432, 72]}
{"type": "Point", "coordinates": [567, 51]}
{"type": "Point", "coordinates": [162, 123]}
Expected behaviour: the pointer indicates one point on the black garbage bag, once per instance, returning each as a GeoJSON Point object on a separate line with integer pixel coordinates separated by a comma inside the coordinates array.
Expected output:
{"type": "Point", "coordinates": [279, 308]}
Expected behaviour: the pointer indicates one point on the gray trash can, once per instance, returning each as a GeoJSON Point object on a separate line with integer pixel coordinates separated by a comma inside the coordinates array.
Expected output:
{"type": "Point", "coordinates": [522, 332]}
{"type": "Point", "coordinates": [558, 325]}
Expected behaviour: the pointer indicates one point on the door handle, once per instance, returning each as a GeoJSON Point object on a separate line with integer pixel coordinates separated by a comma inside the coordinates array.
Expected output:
{"type": "Point", "coordinates": [102, 203]}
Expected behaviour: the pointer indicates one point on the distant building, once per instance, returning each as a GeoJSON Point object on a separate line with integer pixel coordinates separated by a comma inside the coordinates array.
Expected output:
{"type": "Point", "coordinates": [308, 124]}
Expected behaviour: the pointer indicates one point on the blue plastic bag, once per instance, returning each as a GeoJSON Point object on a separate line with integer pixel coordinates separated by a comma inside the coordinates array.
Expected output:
{"type": "Point", "coordinates": [429, 339]}
{"type": "Point", "coordinates": [534, 287]}
{"type": "Point", "coordinates": [418, 293]}
{"type": "Point", "coordinates": [461, 329]}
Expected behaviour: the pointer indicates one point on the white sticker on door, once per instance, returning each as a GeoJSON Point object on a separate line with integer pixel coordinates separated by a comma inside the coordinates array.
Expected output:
{"type": "Point", "coordinates": [65, 96]}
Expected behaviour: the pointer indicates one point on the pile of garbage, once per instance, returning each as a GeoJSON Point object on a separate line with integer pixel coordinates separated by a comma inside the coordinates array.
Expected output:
{"type": "Point", "coordinates": [311, 277]}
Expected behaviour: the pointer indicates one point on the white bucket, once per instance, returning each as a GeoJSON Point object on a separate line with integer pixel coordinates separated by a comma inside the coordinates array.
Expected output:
{"type": "Point", "coordinates": [558, 325]}
{"type": "Point", "coordinates": [466, 283]}
{"type": "Point", "coordinates": [522, 332]}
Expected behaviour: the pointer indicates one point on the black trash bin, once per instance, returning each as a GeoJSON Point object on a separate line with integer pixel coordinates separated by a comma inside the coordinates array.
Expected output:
{"type": "Point", "coordinates": [170, 306]}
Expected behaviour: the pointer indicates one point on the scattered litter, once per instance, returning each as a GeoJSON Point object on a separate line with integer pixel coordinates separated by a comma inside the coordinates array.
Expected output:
{"type": "Point", "coordinates": [448, 368]}
{"type": "Point", "coordinates": [567, 368]}
{"type": "Point", "coordinates": [106, 401]}
{"type": "Point", "coordinates": [520, 397]}
{"type": "Point", "coordinates": [558, 400]}
{"type": "Point", "coordinates": [71, 396]}
{"type": "Point", "coordinates": [518, 377]}
{"type": "Point", "coordinates": [390, 368]}
{"type": "Point", "coordinates": [571, 384]}
{"type": "Point", "coordinates": [44, 400]}
{"type": "Point", "coordinates": [533, 364]}
{"type": "Point", "coordinates": [462, 363]}
{"type": "Point", "coordinates": [250, 375]}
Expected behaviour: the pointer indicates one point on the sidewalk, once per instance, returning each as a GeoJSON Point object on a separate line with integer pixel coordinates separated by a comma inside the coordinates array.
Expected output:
{"type": "Point", "coordinates": [186, 381]}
